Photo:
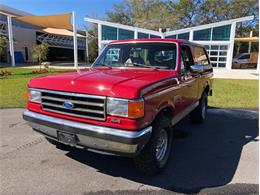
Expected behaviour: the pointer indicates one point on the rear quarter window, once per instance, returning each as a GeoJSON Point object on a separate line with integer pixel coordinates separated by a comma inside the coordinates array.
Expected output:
{"type": "Point", "coordinates": [200, 56]}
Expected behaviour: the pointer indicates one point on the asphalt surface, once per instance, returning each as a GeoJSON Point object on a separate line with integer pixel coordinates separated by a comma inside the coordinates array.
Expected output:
{"type": "Point", "coordinates": [218, 157]}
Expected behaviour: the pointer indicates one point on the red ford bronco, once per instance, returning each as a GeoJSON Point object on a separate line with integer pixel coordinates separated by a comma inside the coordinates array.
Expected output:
{"type": "Point", "coordinates": [127, 102]}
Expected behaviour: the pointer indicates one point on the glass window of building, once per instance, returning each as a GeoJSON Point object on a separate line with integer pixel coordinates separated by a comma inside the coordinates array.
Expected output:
{"type": "Point", "coordinates": [221, 33]}
{"type": "Point", "coordinates": [112, 56]}
{"type": "Point", "coordinates": [214, 64]}
{"type": "Point", "coordinates": [125, 34]}
{"type": "Point", "coordinates": [222, 53]}
{"type": "Point", "coordinates": [223, 47]}
{"type": "Point", "coordinates": [218, 55]}
{"type": "Point", "coordinates": [142, 35]}
{"type": "Point", "coordinates": [222, 59]}
{"type": "Point", "coordinates": [184, 36]}
{"type": "Point", "coordinates": [109, 33]}
{"type": "Point", "coordinates": [154, 36]}
{"type": "Point", "coordinates": [171, 37]}
{"type": "Point", "coordinates": [214, 53]}
{"type": "Point", "coordinates": [201, 35]}
{"type": "Point", "coordinates": [214, 47]}
{"type": "Point", "coordinates": [214, 59]}
{"type": "Point", "coordinates": [206, 47]}
{"type": "Point", "coordinates": [222, 65]}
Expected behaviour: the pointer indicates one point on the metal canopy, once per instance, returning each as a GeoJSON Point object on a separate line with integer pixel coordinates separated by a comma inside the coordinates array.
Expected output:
{"type": "Point", "coordinates": [61, 38]}
{"type": "Point", "coordinates": [60, 41]}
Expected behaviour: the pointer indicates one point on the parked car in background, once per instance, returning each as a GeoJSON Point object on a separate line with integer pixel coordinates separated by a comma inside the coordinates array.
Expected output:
{"type": "Point", "coordinates": [128, 101]}
{"type": "Point", "coordinates": [245, 61]}
{"type": "Point", "coordinates": [242, 58]}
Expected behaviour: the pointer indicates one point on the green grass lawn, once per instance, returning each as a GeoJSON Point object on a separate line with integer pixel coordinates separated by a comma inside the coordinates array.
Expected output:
{"type": "Point", "coordinates": [233, 93]}
{"type": "Point", "coordinates": [227, 93]}
{"type": "Point", "coordinates": [13, 87]}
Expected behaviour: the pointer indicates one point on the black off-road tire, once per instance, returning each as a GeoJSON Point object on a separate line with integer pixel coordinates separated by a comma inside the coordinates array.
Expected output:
{"type": "Point", "coordinates": [199, 114]}
{"type": "Point", "coordinates": [146, 162]}
{"type": "Point", "coordinates": [58, 145]}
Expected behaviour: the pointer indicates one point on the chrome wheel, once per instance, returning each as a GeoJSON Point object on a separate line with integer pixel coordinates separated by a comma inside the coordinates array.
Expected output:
{"type": "Point", "coordinates": [162, 145]}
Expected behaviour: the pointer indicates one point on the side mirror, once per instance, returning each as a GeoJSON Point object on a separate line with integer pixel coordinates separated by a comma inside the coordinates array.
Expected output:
{"type": "Point", "coordinates": [199, 68]}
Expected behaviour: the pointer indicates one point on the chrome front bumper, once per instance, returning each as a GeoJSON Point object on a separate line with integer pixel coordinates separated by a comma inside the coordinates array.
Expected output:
{"type": "Point", "coordinates": [105, 139]}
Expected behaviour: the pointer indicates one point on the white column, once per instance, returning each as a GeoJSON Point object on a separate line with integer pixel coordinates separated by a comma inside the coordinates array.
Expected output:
{"type": "Point", "coordinates": [87, 53]}
{"type": "Point", "coordinates": [162, 34]}
{"type": "Point", "coordinates": [191, 36]}
{"type": "Point", "coordinates": [257, 66]}
{"type": "Point", "coordinates": [11, 40]}
{"type": "Point", "coordinates": [75, 41]}
{"type": "Point", "coordinates": [231, 46]}
{"type": "Point", "coordinates": [258, 63]}
{"type": "Point", "coordinates": [117, 33]}
{"type": "Point", "coordinates": [136, 35]}
{"type": "Point", "coordinates": [99, 38]}
{"type": "Point", "coordinates": [250, 43]}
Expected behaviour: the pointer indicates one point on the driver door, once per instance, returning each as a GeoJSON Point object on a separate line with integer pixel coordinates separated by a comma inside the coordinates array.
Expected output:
{"type": "Point", "coordinates": [188, 80]}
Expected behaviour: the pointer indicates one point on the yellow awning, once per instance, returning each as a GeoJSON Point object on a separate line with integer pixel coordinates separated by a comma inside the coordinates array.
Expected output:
{"type": "Point", "coordinates": [63, 32]}
{"type": "Point", "coordinates": [61, 21]}
{"type": "Point", "coordinates": [247, 39]}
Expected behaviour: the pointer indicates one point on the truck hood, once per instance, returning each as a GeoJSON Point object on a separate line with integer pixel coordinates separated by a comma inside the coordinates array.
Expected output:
{"type": "Point", "coordinates": [115, 82]}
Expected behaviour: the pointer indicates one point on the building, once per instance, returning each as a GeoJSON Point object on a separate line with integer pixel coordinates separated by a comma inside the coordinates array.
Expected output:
{"type": "Point", "coordinates": [218, 38]}
{"type": "Point", "coordinates": [25, 36]}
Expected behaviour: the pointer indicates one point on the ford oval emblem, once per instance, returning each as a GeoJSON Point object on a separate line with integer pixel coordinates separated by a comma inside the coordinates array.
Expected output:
{"type": "Point", "coordinates": [68, 105]}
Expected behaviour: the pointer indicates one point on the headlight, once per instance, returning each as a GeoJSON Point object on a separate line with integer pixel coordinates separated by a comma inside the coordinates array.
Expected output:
{"type": "Point", "coordinates": [34, 96]}
{"type": "Point", "coordinates": [125, 108]}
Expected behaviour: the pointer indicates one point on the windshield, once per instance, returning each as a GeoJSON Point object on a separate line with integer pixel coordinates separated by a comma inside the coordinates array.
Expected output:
{"type": "Point", "coordinates": [139, 55]}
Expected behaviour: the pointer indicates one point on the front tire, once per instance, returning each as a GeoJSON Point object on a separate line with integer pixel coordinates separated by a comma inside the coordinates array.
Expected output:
{"type": "Point", "coordinates": [199, 114]}
{"type": "Point", "coordinates": [155, 154]}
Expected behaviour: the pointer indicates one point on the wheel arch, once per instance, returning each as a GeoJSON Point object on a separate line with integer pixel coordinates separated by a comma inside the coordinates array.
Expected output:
{"type": "Point", "coordinates": [164, 116]}
{"type": "Point", "coordinates": [207, 89]}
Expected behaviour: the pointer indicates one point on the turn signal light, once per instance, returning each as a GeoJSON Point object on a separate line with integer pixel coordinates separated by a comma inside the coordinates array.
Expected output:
{"type": "Point", "coordinates": [136, 109]}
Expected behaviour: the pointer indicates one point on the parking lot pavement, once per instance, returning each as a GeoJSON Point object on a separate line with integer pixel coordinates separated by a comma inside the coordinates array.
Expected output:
{"type": "Point", "coordinates": [220, 156]}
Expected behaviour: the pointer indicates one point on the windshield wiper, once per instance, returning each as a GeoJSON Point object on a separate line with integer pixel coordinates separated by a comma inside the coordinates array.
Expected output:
{"type": "Point", "coordinates": [146, 66]}
{"type": "Point", "coordinates": [103, 65]}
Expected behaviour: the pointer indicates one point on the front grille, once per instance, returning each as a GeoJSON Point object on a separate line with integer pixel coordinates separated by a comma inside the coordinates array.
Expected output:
{"type": "Point", "coordinates": [84, 106]}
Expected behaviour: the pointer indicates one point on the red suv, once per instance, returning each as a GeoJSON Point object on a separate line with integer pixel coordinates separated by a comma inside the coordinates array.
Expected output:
{"type": "Point", "coordinates": [127, 102]}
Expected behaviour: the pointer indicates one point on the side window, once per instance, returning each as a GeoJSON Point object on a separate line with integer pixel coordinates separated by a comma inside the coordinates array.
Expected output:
{"type": "Point", "coordinates": [165, 58]}
{"type": "Point", "coordinates": [200, 56]}
{"type": "Point", "coordinates": [186, 58]}
{"type": "Point", "coordinates": [247, 56]}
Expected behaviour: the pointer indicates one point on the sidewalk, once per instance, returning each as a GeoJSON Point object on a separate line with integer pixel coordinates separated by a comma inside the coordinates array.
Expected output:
{"type": "Point", "coordinates": [235, 74]}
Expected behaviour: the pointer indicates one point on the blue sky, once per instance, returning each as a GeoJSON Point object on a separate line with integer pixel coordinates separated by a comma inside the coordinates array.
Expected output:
{"type": "Point", "coordinates": [92, 8]}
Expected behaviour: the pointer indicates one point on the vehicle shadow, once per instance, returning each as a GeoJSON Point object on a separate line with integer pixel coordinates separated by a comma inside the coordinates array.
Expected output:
{"type": "Point", "coordinates": [207, 157]}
